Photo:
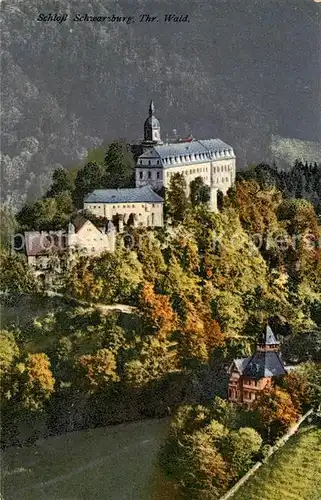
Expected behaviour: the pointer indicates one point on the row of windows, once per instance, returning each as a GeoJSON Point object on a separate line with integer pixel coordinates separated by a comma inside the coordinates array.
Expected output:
{"type": "Point", "coordinates": [222, 168]}
{"type": "Point", "coordinates": [223, 179]}
{"type": "Point", "coordinates": [250, 382]}
{"type": "Point", "coordinates": [181, 159]}
{"type": "Point", "coordinates": [149, 162]}
{"type": "Point", "coordinates": [114, 206]}
{"type": "Point", "coordinates": [149, 175]}
{"type": "Point", "coordinates": [189, 172]}
{"type": "Point", "coordinates": [196, 157]}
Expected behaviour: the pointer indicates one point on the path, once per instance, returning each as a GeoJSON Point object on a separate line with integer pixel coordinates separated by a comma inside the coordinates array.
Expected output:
{"type": "Point", "coordinates": [124, 308]}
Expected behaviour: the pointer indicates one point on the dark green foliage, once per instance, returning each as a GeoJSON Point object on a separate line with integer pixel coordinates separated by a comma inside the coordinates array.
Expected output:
{"type": "Point", "coordinates": [199, 192]}
{"type": "Point", "coordinates": [61, 181]}
{"type": "Point", "coordinates": [176, 201]}
{"type": "Point", "coordinates": [301, 181]}
{"type": "Point", "coordinates": [205, 452]}
{"type": "Point", "coordinates": [88, 178]}
{"type": "Point", "coordinates": [119, 165]}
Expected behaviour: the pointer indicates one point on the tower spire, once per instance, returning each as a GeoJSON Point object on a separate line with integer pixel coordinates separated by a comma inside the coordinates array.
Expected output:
{"type": "Point", "coordinates": [152, 127]}
{"type": "Point", "coordinates": [151, 108]}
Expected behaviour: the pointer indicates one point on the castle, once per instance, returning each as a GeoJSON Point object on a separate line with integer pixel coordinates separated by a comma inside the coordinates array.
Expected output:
{"type": "Point", "coordinates": [211, 159]}
{"type": "Point", "coordinates": [249, 376]}
{"type": "Point", "coordinates": [156, 163]}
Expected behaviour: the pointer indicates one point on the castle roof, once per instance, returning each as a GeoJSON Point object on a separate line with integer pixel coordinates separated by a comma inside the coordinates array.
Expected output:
{"type": "Point", "coordinates": [44, 243]}
{"type": "Point", "coordinates": [143, 194]}
{"type": "Point", "coordinates": [261, 364]}
{"type": "Point", "coordinates": [264, 362]}
{"type": "Point", "coordinates": [194, 151]}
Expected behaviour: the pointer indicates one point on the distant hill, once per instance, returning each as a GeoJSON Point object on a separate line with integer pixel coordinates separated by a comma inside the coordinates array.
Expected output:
{"type": "Point", "coordinates": [285, 151]}
{"type": "Point", "coordinates": [239, 70]}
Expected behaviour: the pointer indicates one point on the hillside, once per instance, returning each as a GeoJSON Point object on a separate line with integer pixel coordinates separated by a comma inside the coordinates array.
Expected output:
{"type": "Point", "coordinates": [285, 151]}
{"type": "Point", "coordinates": [67, 87]}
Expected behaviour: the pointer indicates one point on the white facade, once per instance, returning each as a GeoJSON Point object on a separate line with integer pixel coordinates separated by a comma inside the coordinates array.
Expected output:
{"type": "Point", "coordinates": [91, 240]}
{"type": "Point", "coordinates": [145, 214]}
{"type": "Point", "coordinates": [211, 159]}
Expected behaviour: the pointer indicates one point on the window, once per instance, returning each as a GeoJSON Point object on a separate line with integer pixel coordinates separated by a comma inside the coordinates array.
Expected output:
{"type": "Point", "coordinates": [148, 162]}
{"type": "Point", "coordinates": [124, 206]}
{"type": "Point", "coordinates": [140, 175]}
{"type": "Point", "coordinates": [157, 162]}
{"type": "Point", "coordinates": [133, 206]}
{"type": "Point", "coordinates": [149, 175]}
{"type": "Point", "coordinates": [158, 175]}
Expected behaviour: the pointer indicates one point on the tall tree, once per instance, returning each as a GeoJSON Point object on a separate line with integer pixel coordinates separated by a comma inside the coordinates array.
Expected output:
{"type": "Point", "coordinates": [276, 410]}
{"type": "Point", "coordinates": [98, 370]}
{"type": "Point", "coordinates": [61, 181]}
{"type": "Point", "coordinates": [32, 382]}
{"type": "Point", "coordinates": [199, 192]}
{"type": "Point", "coordinates": [176, 201]}
{"type": "Point", "coordinates": [88, 178]}
{"type": "Point", "coordinates": [119, 164]}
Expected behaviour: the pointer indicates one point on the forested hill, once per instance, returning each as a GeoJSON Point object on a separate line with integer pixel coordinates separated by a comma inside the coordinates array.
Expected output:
{"type": "Point", "coordinates": [239, 70]}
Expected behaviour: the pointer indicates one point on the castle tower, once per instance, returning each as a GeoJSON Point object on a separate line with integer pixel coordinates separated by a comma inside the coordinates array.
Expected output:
{"type": "Point", "coordinates": [268, 342]}
{"type": "Point", "coordinates": [249, 376]}
{"type": "Point", "coordinates": [152, 127]}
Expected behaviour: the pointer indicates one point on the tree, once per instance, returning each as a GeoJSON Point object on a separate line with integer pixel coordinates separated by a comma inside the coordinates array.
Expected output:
{"type": "Point", "coordinates": [276, 410]}
{"type": "Point", "coordinates": [16, 276]}
{"type": "Point", "coordinates": [31, 382]}
{"type": "Point", "coordinates": [311, 373]}
{"type": "Point", "coordinates": [199, 192]}
{"type": "Point", "coordinates": [98, 371]}
{"type": "Point", "coordinates": [154, 359]}
{"type": "Point", "coordinates": [108, 278]}
{"type": "Point", "coordinates": [88, 178]}
{"type": "Point", "coordinates": [8, 228]}
{"type": "Point", "coordinates": [176, 201]}
{"type": "Point", "coordinates": [299, 217]}
{"type": "Point", "coordinates": [119, 164]}
{"type": "Point", "coordinates": [8, 351]}
{"type": "Point", "coordinates": [298, 387]}
{"type": "Point", "coordinates": [149, 253]}
{"type": "Point", "coordinates": [156, 312]}
{"type": "Point", "coordinates": [61, 181]}
{"type": "Point", "coordinates": [240, 447]}
{"type": "Point", "coordinates": [204, 472]}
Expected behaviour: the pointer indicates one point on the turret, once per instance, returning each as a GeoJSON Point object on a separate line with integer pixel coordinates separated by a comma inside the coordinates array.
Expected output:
{"type": "Point", "coordinates": [152, 127]}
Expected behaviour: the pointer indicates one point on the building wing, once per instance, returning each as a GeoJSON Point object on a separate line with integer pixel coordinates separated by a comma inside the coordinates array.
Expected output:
{"type": "Point", "coordinates": [143, 194]}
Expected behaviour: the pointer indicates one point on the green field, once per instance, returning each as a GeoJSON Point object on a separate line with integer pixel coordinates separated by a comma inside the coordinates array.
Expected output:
{"type": "Point", "coordinates": [111, 463]}
{"type": "Point", "coordinates": [293, 473]}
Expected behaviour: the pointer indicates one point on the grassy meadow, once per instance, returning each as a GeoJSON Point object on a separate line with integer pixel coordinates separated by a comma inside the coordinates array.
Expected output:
{"type": "Point", "coordinates": [293, 473]}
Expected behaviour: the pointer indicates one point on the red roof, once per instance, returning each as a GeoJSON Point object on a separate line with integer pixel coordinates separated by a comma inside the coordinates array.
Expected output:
{"type": "Point", "coordinates": [44, 243]}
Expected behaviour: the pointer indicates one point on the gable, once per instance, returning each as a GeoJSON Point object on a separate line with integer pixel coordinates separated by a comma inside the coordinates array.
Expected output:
{"type": "Point", "coordinates": [88, 228]}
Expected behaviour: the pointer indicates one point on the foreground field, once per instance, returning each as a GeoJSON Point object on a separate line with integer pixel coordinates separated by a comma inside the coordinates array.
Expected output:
{"type": "Point", "coordinates": [294, 473]}
{"type": "Point", "coordinates": [111, 463]}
